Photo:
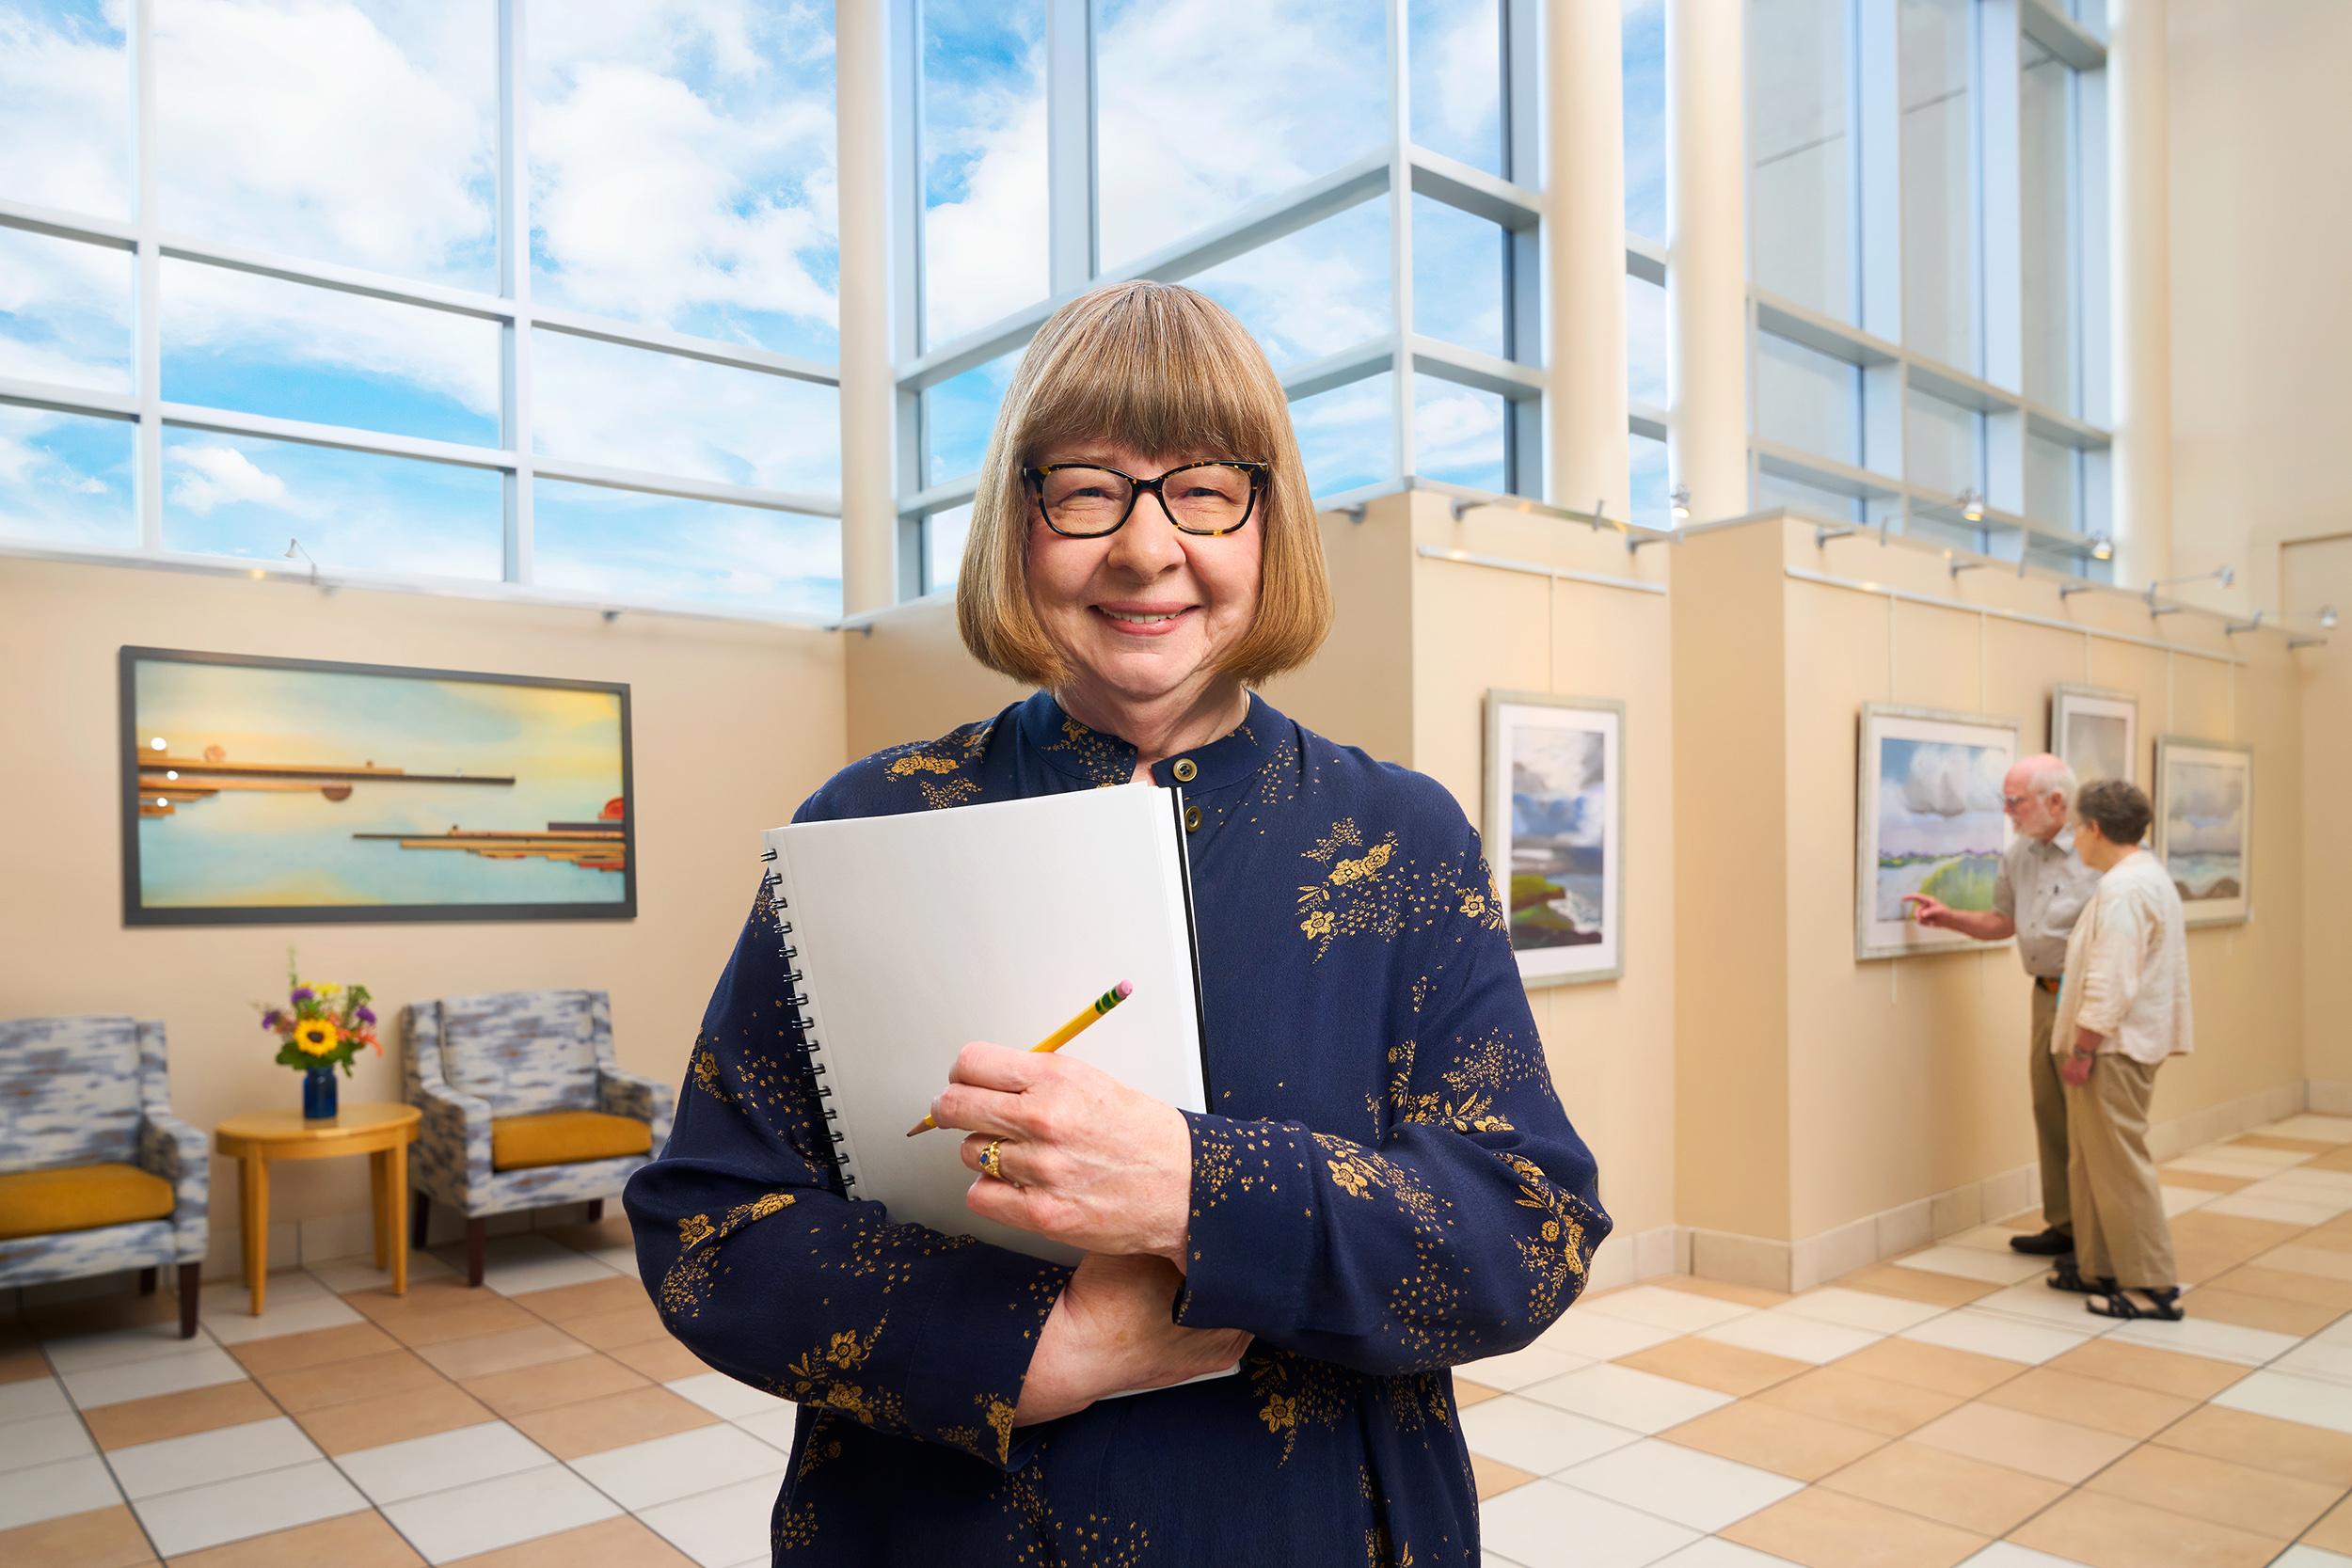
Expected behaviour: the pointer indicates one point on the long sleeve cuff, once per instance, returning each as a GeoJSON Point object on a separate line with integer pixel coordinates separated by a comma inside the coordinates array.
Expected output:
{"type": "Point", "coordinates": [973, 1351]}
{"type": "Point", "coordinates": [1254, 1230]}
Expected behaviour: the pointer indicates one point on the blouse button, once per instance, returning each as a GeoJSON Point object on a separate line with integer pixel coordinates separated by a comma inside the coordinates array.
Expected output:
{"type": "Point", "coordinates": [1192, 819]}
{"type": "Point", "coordinates": [1186, 770]}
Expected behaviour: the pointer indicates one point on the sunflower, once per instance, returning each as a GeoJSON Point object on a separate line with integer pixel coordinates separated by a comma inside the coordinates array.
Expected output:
{"type": "Point", "coordinates": [316, 1036]}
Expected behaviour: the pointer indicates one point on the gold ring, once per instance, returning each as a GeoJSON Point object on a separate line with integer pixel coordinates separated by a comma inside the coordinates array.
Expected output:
{"type": "Point", "coordinates": [992, 1164]}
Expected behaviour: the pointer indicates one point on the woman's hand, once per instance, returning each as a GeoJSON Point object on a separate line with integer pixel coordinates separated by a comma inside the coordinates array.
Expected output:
{"type": "Point", "coordinates": [1112, 1330]}
{"type": "Point", "coordinates": [1086, 1160]}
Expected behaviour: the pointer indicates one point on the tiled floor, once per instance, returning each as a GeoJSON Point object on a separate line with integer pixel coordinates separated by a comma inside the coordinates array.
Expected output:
{"type": "Point", "coordinates": [1938, 1409]}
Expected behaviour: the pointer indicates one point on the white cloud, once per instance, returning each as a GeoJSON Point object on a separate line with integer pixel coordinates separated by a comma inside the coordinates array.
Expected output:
{"type": "Point", "coordinates": [212, 475]}
{"type": "Point", "coordinates": [1952, 781]}
{"type": "Point", "coordinates": [65, 115]}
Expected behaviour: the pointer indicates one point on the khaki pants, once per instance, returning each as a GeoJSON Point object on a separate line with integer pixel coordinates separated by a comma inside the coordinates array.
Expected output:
{"type": "Point", "coordinates": [2049, 1116]}
{"type": "Point", "coordinates": [2119, 1229]}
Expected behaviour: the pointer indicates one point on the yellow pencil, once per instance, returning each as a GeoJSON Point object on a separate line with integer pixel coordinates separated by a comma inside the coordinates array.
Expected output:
{"type": "Point", "coordinates": [1062, 1035]}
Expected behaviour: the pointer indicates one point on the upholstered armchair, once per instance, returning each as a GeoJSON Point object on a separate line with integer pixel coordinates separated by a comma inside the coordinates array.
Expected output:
{"type": "Point", "coordinates": [524, 1107]}
{"type": "Point", "coordinates": [96, 1174]}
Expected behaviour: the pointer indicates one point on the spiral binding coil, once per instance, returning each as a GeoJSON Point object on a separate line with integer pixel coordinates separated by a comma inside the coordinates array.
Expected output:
{"type": "Point", "coordinates": [796, 1000]}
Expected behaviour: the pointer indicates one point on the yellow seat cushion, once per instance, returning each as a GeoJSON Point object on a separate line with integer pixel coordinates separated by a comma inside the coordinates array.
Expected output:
{"type": "Point", "coordinates": [79, 1198]}
{"type": "Point", "coordinates": [565, 1138]}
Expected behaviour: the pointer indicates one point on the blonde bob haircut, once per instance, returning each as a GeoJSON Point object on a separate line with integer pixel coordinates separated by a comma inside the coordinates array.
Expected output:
{"type": "Point", "coordinates": [1166, 371]}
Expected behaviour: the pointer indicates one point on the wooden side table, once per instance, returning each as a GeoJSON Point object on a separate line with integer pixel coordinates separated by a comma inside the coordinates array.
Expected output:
{"type": "Point", "coordinates": [383, 1133]}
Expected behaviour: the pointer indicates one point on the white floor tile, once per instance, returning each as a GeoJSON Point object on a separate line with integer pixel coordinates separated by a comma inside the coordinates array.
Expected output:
{"type": "Point", "coordinates": [2310, 1556]}
{"type": "Point", "coordinates": [2330, 1361]}
{"type": "Point", "coordinates": [1537, 1438]}
{"type": "Point", "coordinates": [677, 1465]}
{"type": "Point", "coordinates": [1970, 1262]}
{"type": "Point", "coordinates": [724, 1397]}
{"type": "Point", "coordinates": [499, 1510]}
{"type": "Point", "coordinates": [2274, 1159]}
{"type": "Point", "coordinates": [1596, 1338]}
{"type": "Point", "coordinates": [1798, 1338]}
{"type": "Point", "coordinates": [1989, 1238]}
{"type": "Point", "coordinates": [32, 1396]}
{"type": "Point", "coordinates": [2035, 1302]}
{"type": "Point", "coordinates": [43, 1440]}
{"type": "Point", "coordinates": [1520, 1368]}
{"type": "Point", "coordinates": [74, 1352]}
{"type": "Point", "coordinates": [2230, 1163]}
{"type": "Point", "coordinates": [2249, 1206]}
{"type": "Point", "coordinates": [160, 1374]}
{"type": "Point", "coordinates": [2248, 1347]}
{"type": "Point", "coordinates": [2007, 1553]}
{"type": "Point", "coordinates": [619, 1258]}
{"type": "Point", "coordinates": [52, 1491]}
{"type": "Point", "coordinates": [518, 1279]}
{"type": "Point", "coordinates": [237, 1327]}
{"type": "Point", "coordinates": [446, 1459]}
{"type": "Point", "coordinates": [346, 1275]}
{"type": "Point", "coordinates": [1682, 1484]}
{"type": "Point", "coordinates": [1639, 1401]}
{"type": "Point", "coordinates": [1832, 1304]}
{"type": "Point", "coordinates": [2180, 1200]}
{"type": "Point", "coordinates": [1683, 1312]}
{"type": "Point", "coordinates": [1992, 1334]}
{"type": "Point", "coordinates": [176, 1464]}
{"type": "Point", "coordinates": [1546, 1525]}
{"type": "Point", "coordinates": [718, 1528]}
{"type": "Point", "coordinates": [2306, 1177]}
{"type": "Point", "coordinates": [775, 1428]}
{"type": "Point", "coordinates": [1715, 1552]}
{"type": "Point", "coordinates": [2308, 1399]}
{"type": "Point", "coordinates": [250, 1505]}
{"type": "Point", "coordinates": [2314, 1126]}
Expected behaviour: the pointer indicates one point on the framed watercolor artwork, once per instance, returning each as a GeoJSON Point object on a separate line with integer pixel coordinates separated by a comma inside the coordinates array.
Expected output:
{"type": "Point", "coordinates": [2096, 732]}
{"type": "Point", "coordinates": [1555, 831]}
{"type": "Point", "coordinates": [2205, 825]}
{"type": "Point", "coordinates": [1927, 819]}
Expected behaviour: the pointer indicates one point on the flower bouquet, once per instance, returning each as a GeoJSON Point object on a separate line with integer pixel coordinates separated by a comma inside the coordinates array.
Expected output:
{"type": "Point", "coordinates": [321, 1027]}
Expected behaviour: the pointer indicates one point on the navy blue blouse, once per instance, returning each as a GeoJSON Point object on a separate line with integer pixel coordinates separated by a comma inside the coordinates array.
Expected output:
{"type": "Point", "coordinates": [1385, 1186]}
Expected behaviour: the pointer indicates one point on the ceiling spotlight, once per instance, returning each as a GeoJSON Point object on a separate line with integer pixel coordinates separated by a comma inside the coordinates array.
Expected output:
{"type": "Point", "coordinates": [1678, 499]}
{"type": "Point", "coordinates": [156, 744]}
{"type": "Point", "coordinates": [2102, 548]}
{"type": "Point", "coordinates": [1971, 504]}
{"type": "Point", "coordinates": [2226, 577]}
{"type": "Point", "coordinates": [2327, 617]}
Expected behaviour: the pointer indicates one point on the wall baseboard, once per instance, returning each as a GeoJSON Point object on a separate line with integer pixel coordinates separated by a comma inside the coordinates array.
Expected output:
{"type": "Point", "coordinates": [2330, 1096]}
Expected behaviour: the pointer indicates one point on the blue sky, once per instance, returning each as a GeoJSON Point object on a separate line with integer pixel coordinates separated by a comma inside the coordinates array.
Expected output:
{"type": "Point", "coordinates": [682, 175]}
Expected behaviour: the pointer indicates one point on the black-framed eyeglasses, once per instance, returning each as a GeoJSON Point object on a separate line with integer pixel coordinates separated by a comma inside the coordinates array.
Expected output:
{"type": "Point", "coordinates": [1083, 500]}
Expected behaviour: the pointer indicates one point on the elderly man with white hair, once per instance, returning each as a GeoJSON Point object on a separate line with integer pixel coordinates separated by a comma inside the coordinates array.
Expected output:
{"type": "Point", "coordinates": [2040, 891]}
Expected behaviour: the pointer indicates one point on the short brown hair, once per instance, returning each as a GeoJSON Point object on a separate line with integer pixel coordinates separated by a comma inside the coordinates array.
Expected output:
{"type": "Point", "coordinates": [2118, 808]}
{"type": "Point", "coordinates": [1167, 371]}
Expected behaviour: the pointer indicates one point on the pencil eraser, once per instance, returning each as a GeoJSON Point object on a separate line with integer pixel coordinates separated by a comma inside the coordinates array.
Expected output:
{"type": "Point", "coordinates": [1126, 990]}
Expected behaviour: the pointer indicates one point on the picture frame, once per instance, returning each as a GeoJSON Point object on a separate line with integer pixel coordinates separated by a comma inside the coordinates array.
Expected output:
{"type": "Point", "coordinates": [1555, 831]}
{"type": "Point", "coordinates": [2095, 731]}
{"type": "Point", "coordinates": [2205, 826]}
{"type": "Point", "coordinates": [266, 791]}
{"type": "Point", "coordinates": [1928, 818]}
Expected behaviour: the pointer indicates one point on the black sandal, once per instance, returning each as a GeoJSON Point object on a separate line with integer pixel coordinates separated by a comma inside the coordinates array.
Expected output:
{"type": "Point", "coordinates": [2066, 1277]}
{"type": "Point", "coordinates": [2163, 1305]}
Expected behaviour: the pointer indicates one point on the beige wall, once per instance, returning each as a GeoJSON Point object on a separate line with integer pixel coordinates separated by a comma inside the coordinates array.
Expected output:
{"type": "Point", "coordinates": [732, 723]}
{"type": "Point", "coordinates": [2320, 572]}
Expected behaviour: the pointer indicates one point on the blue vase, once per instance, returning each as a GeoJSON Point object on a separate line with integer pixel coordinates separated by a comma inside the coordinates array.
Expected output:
{"type": "Point", "coordinates": [318, 1093]}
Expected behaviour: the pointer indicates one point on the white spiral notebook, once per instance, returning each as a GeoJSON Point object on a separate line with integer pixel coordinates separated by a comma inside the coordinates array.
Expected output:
{"type": "Point", "coordinates": [906, 936]}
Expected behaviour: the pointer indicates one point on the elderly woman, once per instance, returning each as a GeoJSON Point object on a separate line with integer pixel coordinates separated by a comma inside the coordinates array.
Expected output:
{"type": "Point", "coordinates": [2123, 1010]}
{"type": "Point", "coordinates": [1386, 1184]}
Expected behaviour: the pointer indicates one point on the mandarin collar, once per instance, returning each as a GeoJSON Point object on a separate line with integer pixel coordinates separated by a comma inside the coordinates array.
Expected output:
{"type": "Point", "coordinates": [1100, 757]}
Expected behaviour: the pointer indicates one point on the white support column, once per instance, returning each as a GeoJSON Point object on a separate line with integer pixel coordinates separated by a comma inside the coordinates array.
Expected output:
{"type": "Point", "coordinates": [869, 524]}
{"type": "Point", "coordinates": [513, 239]}
{"type": "Point", "coordinates": [1706, 342]}
{"type": "Point", "coordinates": [1401, 234]}
{"type": "Point", "coordinates": [2141, 274]}
{"type": "Point", "coordinates": [147, 369]}
{"type": "Point", "coordinates": [1590, 451]}
{"type": "Point", "coordinates": [1070, 144]}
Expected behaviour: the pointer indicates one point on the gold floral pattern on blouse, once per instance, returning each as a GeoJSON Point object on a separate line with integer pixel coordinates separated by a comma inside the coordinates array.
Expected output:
{"type": "Point", "coordinates": [687, 1284]}
{"type": "Point", "coordinates": [1053, 1541]}
{"type": "Point", "coordinates": [1382, 891]}
{"type": "Point", "coordinates": [1100, 758]}
{"type": "Point", "coordinates": [1295, 1392]}
{"type": "Point", "coordinates": [936, 766]}
{"type": "Point", "coordinates": [1555, 1254]}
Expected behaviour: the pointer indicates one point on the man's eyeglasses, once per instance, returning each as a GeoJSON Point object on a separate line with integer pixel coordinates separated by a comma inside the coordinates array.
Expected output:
{"type": "Point", "coordinates": [2010, 802]}
{"type": "Point", "coordinates": [1084, 502]}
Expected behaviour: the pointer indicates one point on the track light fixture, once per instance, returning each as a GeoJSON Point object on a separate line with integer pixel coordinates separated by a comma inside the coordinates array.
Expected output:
{"type": "Point", "coordinates": [1678, 499]}
{"type": "Point", "coordinates": [1971, 504]}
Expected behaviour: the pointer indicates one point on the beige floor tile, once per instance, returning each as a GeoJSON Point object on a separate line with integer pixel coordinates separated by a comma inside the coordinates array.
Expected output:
{"type": "Point", "coordinates": [623, 1543]}
{"type": "Point", "coordinates": [2284, 1447]}
{"type": "Point", "coordinates": [2190, 1377]}
{"type": "Point", "coordinates": [2286, 1284]}
{"type": "Point", "coordinates": [2266, 1140]}
{"type": "Point", "coordinates": [193, 1410]}
{"type": "Point", "coordinates": [342, 1381]}
{"type": "Point", "coordinates": [1711, 1364]}
{"type": "Point", "coordinates": [1948, 1487]}
{"type": "Point", "coordinates": [1855, 1399]}
{"type": "Point", "coordinates": [1786, 1442]}
{"type": "Point", "coordinates": [1828, 1529]}
{"type": "Point", "coordinates": [2091, 1401]}
{"type": "Point", "coordinates": [629, 1325]}
{"type": "Point", "coordinates": [478, 1356]}
{"type": "Point", "coordinates": [1960, 1372]}
{"type": "Point", "coordinates": [2036, 1445]}
{"type": "Point", "coordinates": [318, 1348]}
{"type": "Point", "coordinates": [363, 1540]}
{"type": "Point", "coordinates": [524, 1390]}
{"type": "Point", "coordinates": [2248, 1310]}
{"type": "Point", "coordinates": [588, 1235]}
{"type": "Point", "coordinates": [2301, 1257]}
{"type": "Point", "coordinates": [2205, 1244]}
{"type": "Point", "coordinates": [1495, 1478]}
{"type": "Point", "coordinates": [102, 1538]}
{"type": "Point", "coordinates": [2215, 1489]}
{"type": "Point", "coordinates": [2340, 1160]}
{"type": "Point", "coordinates": [1467, 1393]}
{"type": "Point", "coordinates": [2212, 1182]}
{"type": "Point", "coordinates": [2112, 1532]}
{"type": "Point", "coordinates": [1922, 1285]}
{"type": "Point", "coordinates": [341, 1428]}
{"type": "Point", "coordinates": [2333, 1533]}
{"type": "Point", "coordinates": [580, 1300]}
{"type": "Point", "coordinates": [438, 1309]}
{"type": "Point", "coordinates": [1722, 1290]}
{"type": "Point", "coordinates": [611, 1421]}
{"type": "Point", "coordinates": [20, 1362]}
{"type": "Point", "coordinates": [661, 1360]}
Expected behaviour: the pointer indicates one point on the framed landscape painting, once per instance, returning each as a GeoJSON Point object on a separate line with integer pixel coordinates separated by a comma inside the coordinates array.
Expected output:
{"type": "Point", "coordinates": [1555, 831]}
{"type": "Point", "coordinates": [2205, 825]}
{"type": "Point", "coordinates": [300, 791]}
{"type": "Point", "coordinates": [1928, 821]}
{"type": "Point", "coordinates": [2096, 732]}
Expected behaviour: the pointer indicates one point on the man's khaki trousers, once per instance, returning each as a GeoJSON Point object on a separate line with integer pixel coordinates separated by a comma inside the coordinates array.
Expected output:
{"type": "Point", "coordinates": [2119, 1229]}
{"type": "Point", "coordinates": [2049, 1116]}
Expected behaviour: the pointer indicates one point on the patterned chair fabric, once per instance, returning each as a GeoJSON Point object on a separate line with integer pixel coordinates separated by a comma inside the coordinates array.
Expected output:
{"type": "Point", "coordinates": [472, 1059]}
{"type": "Point", "coordinates": [84, 1091]}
